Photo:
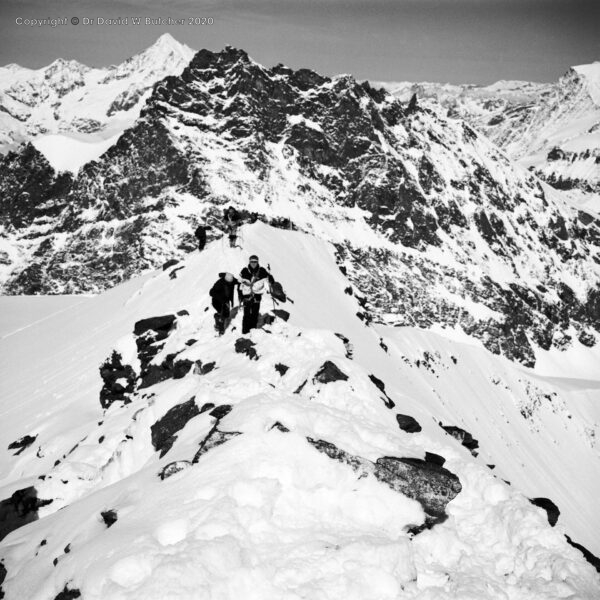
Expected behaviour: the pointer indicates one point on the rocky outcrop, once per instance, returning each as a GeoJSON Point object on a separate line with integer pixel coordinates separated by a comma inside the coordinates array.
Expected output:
{"type": "Point", "coordinates": [329, 372]}
{"type": "Point", "coordinates": [164, 430]}
{"type": "Point", "coordinates": [18, 510]}
{"type": "Point", "coordinates": [428, 482]}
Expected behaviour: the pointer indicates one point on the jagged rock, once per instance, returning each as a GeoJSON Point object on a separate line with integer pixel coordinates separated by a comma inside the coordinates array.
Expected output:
{"type": "Point", "coordinates": [551, 509]}
{"type": "Point", "coordinates": [591, 558]}
{"type": "Point", "coordinates": [408, 423]}
{"type": "Point", "coordinates": [246, 346]}
{"type": "Point", "coordinates": [164, 430]}
{"type": "Point", "coordinates": [347, 345]}
{"type": "Point", "coordinates": [173, 273]}
{"type": "Point", "coordinates": [281, 368]}
{"type": "Point", "coordinates": [428, 482]}
{"type": "Point", "coordinates": [212, 440]}
{"type": "Point", "coordinates": [169, 263]}
{"type": "Point", "coordinates": [18, 510]}
{"type": "Point", "coordinates": [203, 369]}
{"type": "Point", "coordinates": [118, 380]}
{"type": "Point", "coordinates": [22, 443]}
{"type": "Point", "coordinates": [221, 411]}
{"type": "Point", "coordinates": [300, 387]}
{"type": "Point", "coordinates": [68, 594]}
{"type": "Point", "coordinates": [174, 467]}
{"type": "Point", "coordinates": [280, 427]}
{"type": "Point", "coordinates": [207, 406]}
{"type": "Point", "coordinates": [191, 342]}
{"type": "Point", "coordinates": [381, 387]}
{"type": "Point", "coordinates": [109, 517]}
{"type": "Point", "coordinates": [329, 372]}
{"type": "Point", "coordinates": [464, 437]}
{"type": "Point", "coordinates": [183, 313]}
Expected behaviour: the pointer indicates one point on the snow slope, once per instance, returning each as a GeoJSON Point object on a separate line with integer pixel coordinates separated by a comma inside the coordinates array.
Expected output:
{"type": "Point", "coordinates": [266, 514]}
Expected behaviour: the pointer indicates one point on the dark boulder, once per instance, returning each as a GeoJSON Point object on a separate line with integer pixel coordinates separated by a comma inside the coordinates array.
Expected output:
{"type": "Point", "coordinates": [246, 346]}
{"type": "Point", "coordinates": [426, 481]}
{"type": "Point", "coordinates": [207, 406]}
{"type": "Point", "coordinates": [68, 594]}
{"type": "Point", "coordinates": [329, 372]}
{"type": "Point", "coordinates": [181, 368]}
{"type": "Point", "coordinates": [22, 443]}
{"type": "Point", "coordinates": [174, 467]}
{"type": "Point", "coordinates": [109, 517]}
{"type": "Point", "coordinates": [201, 368]}
{"type": "Point", "coordinates": [434, 458]}
{"type": "Point", "coordinates": [429, 483]}
{"type": "Point", "coordinates": [158, 326]}
{"type": "Point", "coordinates": [551, 509]}
{"type": "Point", "coordinates": [164, 430]}
{"type": "Point", "coordinates": [18, 510]}
{"type": "Point", "coordinates": [281, 368]}
{"type": "Point", "coordinates": [408, 424]}
{"type": "Point", "coordinates": [280, 427]}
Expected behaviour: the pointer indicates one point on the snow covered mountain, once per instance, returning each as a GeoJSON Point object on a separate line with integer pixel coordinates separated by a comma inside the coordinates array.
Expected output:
{"type": "Point", "coordinates": [73, 112]}
{"type": "Point", "coordinates": [552, 129]}
{"type": "Point", "coordinates": [433, 224]}
{"type": "Point", "coordinates": [317, 457]}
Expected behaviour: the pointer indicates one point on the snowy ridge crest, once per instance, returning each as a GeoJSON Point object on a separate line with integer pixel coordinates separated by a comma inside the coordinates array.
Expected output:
{"type": "Point", "coordinates": [276, 462]}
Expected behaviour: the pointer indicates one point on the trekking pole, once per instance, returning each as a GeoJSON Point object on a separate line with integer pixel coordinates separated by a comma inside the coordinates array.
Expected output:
{"type": "Point", "coordinates": [270, 285]}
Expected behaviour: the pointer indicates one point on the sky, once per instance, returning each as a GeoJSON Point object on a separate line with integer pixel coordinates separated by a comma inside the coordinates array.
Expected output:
{"type": "Point", "coordinates": [456, 41]}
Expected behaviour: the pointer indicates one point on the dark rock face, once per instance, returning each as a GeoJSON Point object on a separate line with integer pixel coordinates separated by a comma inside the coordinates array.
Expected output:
{"type": "Point", "coordinates": [169, 264]}
{"type": "Point", "coordinates": [22, 443]}
{"type": "Point", "coordinates": [464, 437]}
{"type": "Point", "coordinates": [164, 430]}
{"type": "Point", "coordinates": [425, 481]}
{"type": "Point", "coordinates": [432, 457]}
{"type": "Point", "coordinates": [550, 508]}
{"type": "Point", "coordinates": [591, 558]}
{"type": "Point", "coordinates": [329, 372]}
{"type": "Point", "coordinates": [119, 380]}
{"type": "Point", "coordinates": [246, 346]}
{"type": "Point", "coordinates": [150, 335]}
{"type": "Point", "coordinates": [280, 427]}
{"type": "Point", "coordinates": [18, 510]}
{"type": "Point", "coordinates": [408, 424]}
{"type": "Point", "coordinates": [109, 517]}
{"type": "Point", "coordinates": [347, 345]}
{"type": "Point", "coordinates": [68, 594]}
{"type": "Point", "coordinates": [157, 327]}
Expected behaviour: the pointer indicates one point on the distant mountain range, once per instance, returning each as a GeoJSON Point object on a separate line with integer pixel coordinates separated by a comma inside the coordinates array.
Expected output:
{"type": "Point", "coordinates": [552, 129]}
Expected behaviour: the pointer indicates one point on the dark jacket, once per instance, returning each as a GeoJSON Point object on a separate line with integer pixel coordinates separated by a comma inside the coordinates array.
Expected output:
{"type": "Point", "coordinates": [222, 291]}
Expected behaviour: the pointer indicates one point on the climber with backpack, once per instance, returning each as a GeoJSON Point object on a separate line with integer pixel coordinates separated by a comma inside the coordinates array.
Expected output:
{"type": "Point", "coordinates": [254, 280]}
{"type": "Point", "coordinates": [231, 222]}
{"type": "Point", "coordinates": [200, 235]}
{"type": "Point", "coordinates": [222, 294]}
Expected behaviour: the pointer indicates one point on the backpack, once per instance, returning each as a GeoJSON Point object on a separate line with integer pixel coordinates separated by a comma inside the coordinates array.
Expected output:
{"type": "Point", "coordinates": [277, 292]}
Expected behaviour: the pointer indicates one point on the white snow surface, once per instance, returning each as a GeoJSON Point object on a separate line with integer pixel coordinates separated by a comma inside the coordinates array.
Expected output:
{"type": "Point", "coordinates": [265, 515]}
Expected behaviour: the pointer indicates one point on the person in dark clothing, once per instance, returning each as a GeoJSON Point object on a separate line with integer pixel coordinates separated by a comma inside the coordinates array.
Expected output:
{"type": "Point", "coordinates": [200, 234]}
{"type": "Point", "coordinates": [254, 280]}
{"type": "Point", "coordinates": [231, 219]}
{"type": "Point", "coordinates": [222, 293]}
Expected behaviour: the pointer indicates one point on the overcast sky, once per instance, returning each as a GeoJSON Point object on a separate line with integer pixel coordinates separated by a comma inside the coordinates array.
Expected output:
{"type": "Point", "coordinates": [459, 41]}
